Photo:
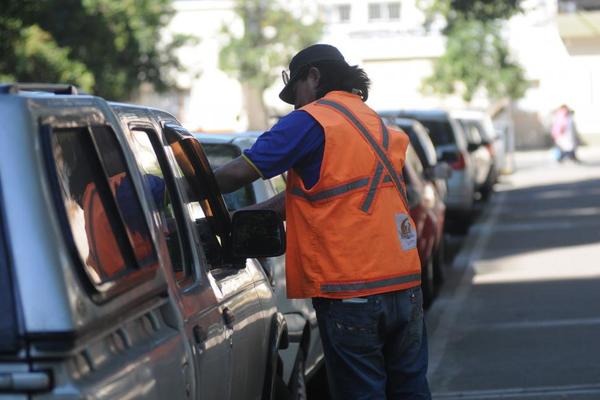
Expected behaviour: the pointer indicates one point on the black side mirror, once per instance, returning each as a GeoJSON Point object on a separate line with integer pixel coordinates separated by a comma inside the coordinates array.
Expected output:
{"type": "Point", "coordinates": [471, 147]}
{"type": "Point", "coordinates": [257, 233]}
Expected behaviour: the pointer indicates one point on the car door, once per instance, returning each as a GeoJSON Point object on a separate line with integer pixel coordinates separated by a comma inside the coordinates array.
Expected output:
{"type": "Point", "coordinates": [239, 285]}
{"type": "Point", "coordinates": [204, 318]}
{"type": "Point", "coordinates": [128, 341]}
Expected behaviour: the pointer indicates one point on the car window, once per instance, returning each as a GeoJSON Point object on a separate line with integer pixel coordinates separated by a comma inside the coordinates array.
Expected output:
{"type": "Point", "coordinates": [8, 322]}
{"type": "Point", "coordinates": [440, 132]}
{"type": "Point", "coordinates": [200, 196]}
{"type": "Point", "coordinates": [471, 132]}
{"type": "Point", "coordinates": [101, 204]}
{"type": "Point", "coordinates": [481, 131]}
{"type": "Point", "coordinates": [219, 155]}
{"type": "Point", "coordinates": [426, 144]}
{"type": "Point", "coordinates": [413, 160]}
{"type": "Point", "coordinates": [167, 214]}
{"type": "Point", "coordinates": [278, 183]}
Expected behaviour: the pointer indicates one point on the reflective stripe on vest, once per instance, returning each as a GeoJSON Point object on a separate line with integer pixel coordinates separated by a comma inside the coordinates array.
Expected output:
{"type": "Point", "coordinates": [372, 142]}
{"type": "Point", "coordinates": [333, 192]}
{"type": "Point", "coordinates": [358, 286]}
{"type": "Point", "coordinates": [370, 196]}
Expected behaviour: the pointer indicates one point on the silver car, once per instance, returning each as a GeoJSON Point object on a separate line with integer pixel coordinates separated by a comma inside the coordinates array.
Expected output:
{"type": "Point", "coordinates": [304, 355]}
{"type": "Point", "coordinates": [122, 275]}
{"type": "Point", "coordinates": [451, 146]}
{"type": "Point", "coordinates": [489, 147]}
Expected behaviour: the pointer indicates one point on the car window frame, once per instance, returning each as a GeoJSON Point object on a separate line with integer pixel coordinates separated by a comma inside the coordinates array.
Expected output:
{"type": "Point", "coordinates": [192, 276]}
{"type": "Point", "coordinates": [220, 225]}
{"type": "Point", "coordinates": [97, 293]}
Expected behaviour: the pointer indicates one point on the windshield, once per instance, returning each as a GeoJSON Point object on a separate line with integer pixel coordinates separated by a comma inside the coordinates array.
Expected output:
{"type": "Point", "coordinates": [219, 155]}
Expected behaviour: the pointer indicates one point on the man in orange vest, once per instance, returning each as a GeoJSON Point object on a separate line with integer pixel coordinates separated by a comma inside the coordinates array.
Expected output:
{"type": "Point", "coordinates": [351, 244]}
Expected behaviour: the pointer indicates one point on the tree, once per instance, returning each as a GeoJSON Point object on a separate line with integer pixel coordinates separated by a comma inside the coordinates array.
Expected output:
{"type": "Point", "coordinates": [107, 47]}
{"type": "Point", "coordinates": [477, 56]}
{"type": "Point", "coordinates": [271, 35]}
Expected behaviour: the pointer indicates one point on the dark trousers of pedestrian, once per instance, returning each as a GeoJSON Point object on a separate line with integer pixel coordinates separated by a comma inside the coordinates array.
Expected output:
{"type": "Point", "coordinates": [376, 346]}
{"type": "Point", "coordinates": [568, 155]}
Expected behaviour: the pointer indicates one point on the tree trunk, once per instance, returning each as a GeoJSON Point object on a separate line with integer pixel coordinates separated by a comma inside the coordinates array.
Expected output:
{"type": "Point", "coordinates": [255, 108]}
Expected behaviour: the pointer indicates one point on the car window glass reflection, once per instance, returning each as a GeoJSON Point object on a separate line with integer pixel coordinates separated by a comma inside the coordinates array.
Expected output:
{"type": "Point", "coordinates": [164, 213]}
{"type": "Point", "coordinates": [104, 212]}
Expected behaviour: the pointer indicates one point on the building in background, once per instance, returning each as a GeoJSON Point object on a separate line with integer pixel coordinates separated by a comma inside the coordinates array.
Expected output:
{"type": "Point", "coordinates": [556, 41]}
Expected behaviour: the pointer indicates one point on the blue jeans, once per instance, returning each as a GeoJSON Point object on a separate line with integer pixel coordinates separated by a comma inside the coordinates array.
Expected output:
{"type": "Point", "coordinates": [375, 346]}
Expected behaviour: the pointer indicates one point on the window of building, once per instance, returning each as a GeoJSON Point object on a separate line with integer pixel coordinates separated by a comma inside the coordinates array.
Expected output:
{"type": "Point", "coordinates": [375, 11]}
{"type": "Point", "coordinates": [393, 11]}
{"type": "Point", "coordinates": [384, 11]}
{"type": "Point", "coordinates": [101, 204]}
{"type": "Point", "coordinates": [343, 12]}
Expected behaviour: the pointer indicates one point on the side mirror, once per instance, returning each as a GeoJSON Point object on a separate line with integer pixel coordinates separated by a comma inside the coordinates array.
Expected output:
{"type": "Point", "coordinates": [257, 233]}
{"type": "Point", "coordinates": [471, 147]}
{"type": "Point", "coordinates": [441, 170]}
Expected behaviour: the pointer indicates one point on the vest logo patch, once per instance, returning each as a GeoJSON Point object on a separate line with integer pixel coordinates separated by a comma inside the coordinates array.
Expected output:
{"type": "Point", "coordinates": [406, 233]}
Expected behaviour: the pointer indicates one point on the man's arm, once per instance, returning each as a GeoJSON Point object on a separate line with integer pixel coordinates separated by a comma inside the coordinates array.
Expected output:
{"type": "Point", "coordinates": [235, 174]}
{"type": "Point", "coordinates": [275, 203]}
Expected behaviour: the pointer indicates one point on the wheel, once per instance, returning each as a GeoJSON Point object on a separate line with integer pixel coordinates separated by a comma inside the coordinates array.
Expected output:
{"type": "Point", "coordinates": [427, 282]}
{"type": "Point", "coordinates": [297, 383]}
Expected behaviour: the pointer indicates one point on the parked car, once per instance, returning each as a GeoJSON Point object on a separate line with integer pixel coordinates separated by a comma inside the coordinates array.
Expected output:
{"type": "Point", "coordinates": [435, 171]}
{"type": "Point", "coordinates": [304, 355]}
{"type": "Point", "coordinates": [122, 275]}
{"type": "Point", "coordinates": [451, 147]}
{"type": "Point", "coordinates": [427, 210]}
{"type": "Point", "coordinates": [490, 147]}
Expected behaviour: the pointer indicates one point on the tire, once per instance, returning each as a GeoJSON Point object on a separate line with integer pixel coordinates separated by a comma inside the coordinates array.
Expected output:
{"type": "Point", "coordinates": [427, 286]}
{"type": "Point", "coordinates": [297, 383]}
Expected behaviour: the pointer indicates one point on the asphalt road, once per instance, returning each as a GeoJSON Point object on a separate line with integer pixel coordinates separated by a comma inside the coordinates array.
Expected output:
{"type": "Point", "coordinates": [519, 316]}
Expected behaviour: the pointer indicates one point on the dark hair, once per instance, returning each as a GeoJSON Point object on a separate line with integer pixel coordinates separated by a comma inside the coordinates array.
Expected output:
{"type": "Point", "coordinates": [339, 76]}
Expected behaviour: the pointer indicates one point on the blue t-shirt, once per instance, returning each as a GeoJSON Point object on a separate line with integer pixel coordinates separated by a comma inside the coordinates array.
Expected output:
{"type": "Point", "coordinates": [297, 141]}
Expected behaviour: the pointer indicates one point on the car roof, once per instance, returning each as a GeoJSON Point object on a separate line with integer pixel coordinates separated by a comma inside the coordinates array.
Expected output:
{"type": "Point", "coordinates": [404, 122]}
{"type": "Point", "coordinates": [243, 140]}
{"type": "Point", "coordinates": [434, 113]}
{"type": "Point", "coordinates": [469, 114]}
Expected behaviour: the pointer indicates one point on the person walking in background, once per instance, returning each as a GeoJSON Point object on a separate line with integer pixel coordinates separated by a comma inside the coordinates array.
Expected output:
{"type": "Point", "coordinates": [351, 244]}
{"type": "Point", "coordinates": [564, 134]}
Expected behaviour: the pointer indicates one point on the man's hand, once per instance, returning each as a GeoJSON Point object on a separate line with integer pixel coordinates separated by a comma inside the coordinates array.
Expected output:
{"type": "Point", "coordinates": [275, 203]}
{"type": "Point", "coordinates": [235, 174]}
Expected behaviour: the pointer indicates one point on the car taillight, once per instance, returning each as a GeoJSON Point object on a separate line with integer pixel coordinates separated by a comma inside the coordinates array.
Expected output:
{"type": "Point", "coordinates": [460, 162]}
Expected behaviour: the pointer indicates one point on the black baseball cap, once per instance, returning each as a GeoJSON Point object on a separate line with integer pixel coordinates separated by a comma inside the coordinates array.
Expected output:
{"type": "Point", "coordinates": [307, 56]}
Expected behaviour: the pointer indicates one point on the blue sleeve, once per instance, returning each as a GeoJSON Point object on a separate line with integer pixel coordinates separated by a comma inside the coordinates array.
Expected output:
{"type": "Point", "coordinates": [296, 141]}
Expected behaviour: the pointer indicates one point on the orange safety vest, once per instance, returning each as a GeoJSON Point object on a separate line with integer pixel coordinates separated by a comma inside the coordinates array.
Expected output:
{"type": "Point", "coordinates": [105, 255]}
{"type": "Point", "coordinates": [351, 233]}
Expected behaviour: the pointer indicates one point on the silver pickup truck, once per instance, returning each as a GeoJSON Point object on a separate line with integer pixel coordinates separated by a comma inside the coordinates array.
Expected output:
{"type": "Point", "coordinates": [122, 274]}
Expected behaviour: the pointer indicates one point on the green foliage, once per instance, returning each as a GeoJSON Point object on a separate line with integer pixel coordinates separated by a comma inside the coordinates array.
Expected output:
{"type": "Point", "coordinates": [480, 10]}
{"type": "Point", "coordinates": [477, 56]}
{"type": "Point", "coordinates": [271, 36]}
{"type": "Point", "coordinates": [108, 47]}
